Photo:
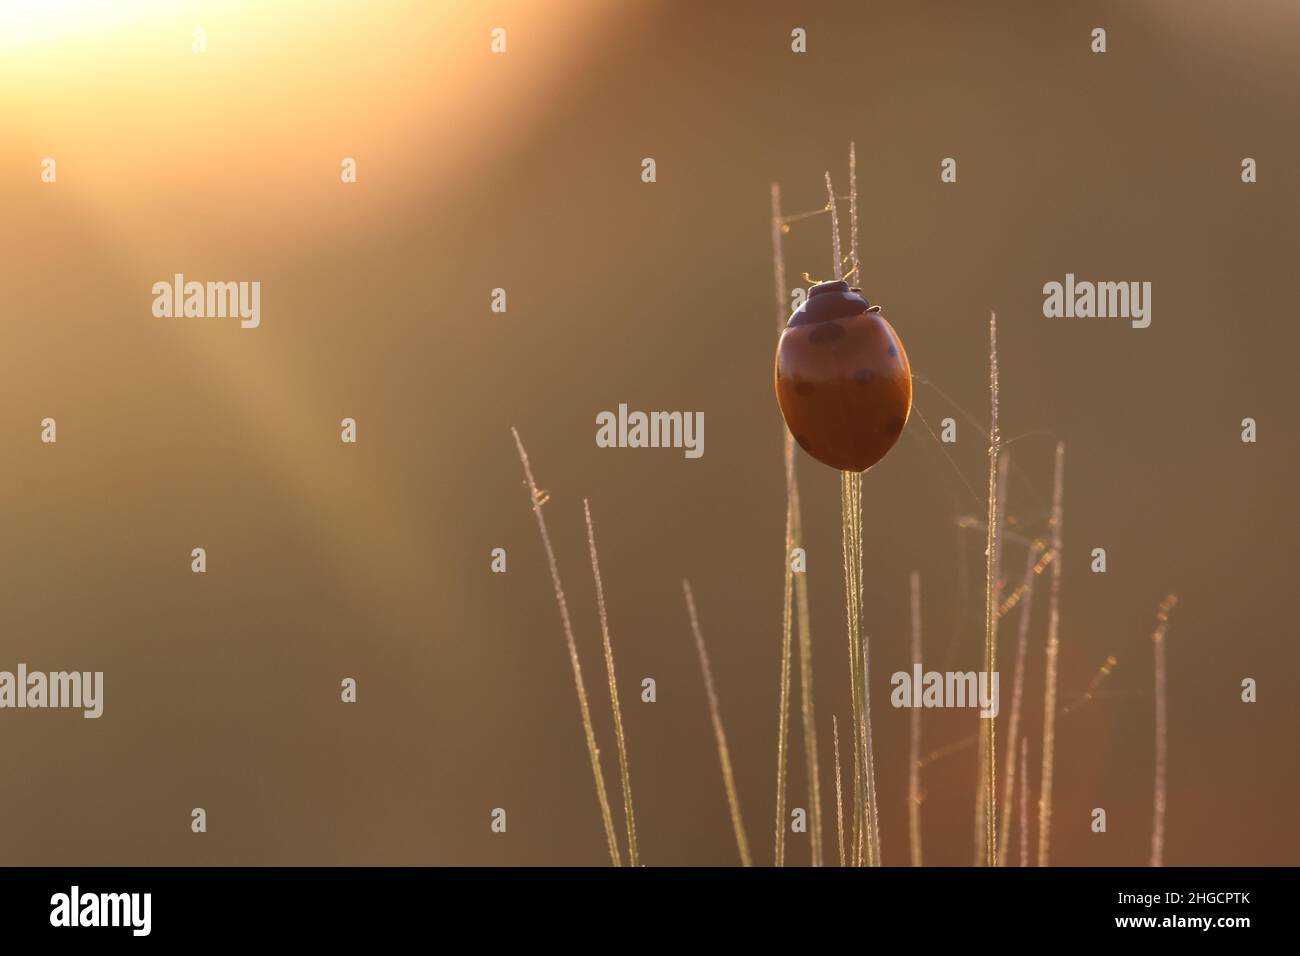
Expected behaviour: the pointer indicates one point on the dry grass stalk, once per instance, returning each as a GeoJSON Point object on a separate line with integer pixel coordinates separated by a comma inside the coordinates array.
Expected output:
{"type": "Point", "coordinates": [914, 750]}
{"type": "Point", "coordinates": [1162, 733]}
{"type": "Point", "coordinates": [872, 838]}
{"type": "Point", "coordinates": [853, 216]}
{"type": "Point", "coordinates": [794, 539]}
{"type": "Point", "coordinates": [806, 690]}
{"type": "Point", "coordinates": [852, 552]}
{"type": "Point", "coordinates": [839, 792]}
{"type": "Point", "coordinates": [873, 816]}
{"type": "Point", "coordinates": [633, 855]}
{"type": "Point", "coordinates": [990, 605]}
{"type": "Point", "coordinates": [536, 498]}
{"type": "Point", "coordinates": [981, 804]}
{"type": "Point", "coordinates": [1026, 600]}
{"type": "Point", "coordinates": [1024, 801]}
{"type": "Point", "coordinates": [783, 720]}
{"type": "Point", "coordinates": [724, 754]}
{"type": "Point", "coordinates": [850, 590]}
{"type": "Point", "coordinates": [837, 257]}
{"type": "Point", "coordinates": [865, 837]}
{"type": "Point", "coordinates": [867, 842]}
{"type": "Point", "coordinates": [1053, 650]}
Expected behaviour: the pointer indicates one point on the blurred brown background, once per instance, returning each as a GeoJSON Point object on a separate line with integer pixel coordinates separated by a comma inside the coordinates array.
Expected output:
{"type": "Point", "coordinates": [523, 171]}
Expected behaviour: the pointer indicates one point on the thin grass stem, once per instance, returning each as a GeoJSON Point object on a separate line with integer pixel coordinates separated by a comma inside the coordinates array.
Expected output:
{"type": "Point", "coordinates": [1053, 651]}
{"type": "Point", "coordinates": [1026, 593]}
{"type": "Point", "coordinates": [1024, 801]}
{"type": "Point", "coordinates": [853, 216]}
{"type": "Point", "coordinates": [914, 750]}
{"type": "Point", "coordinates": [724, 755]}
{"type": "Point", "coordinates": [625, 773]}
{"type": "Point", "coordinates": [837, 259]}
{"type": "Point", "coordinates": [873, 816]}
{"type": "Point", "coordinates": [793, 540]}
{"type": "Point", "coordinates": [988, 744]}
{"type": "Point", "coordinates": [848, 503]}
{"type": "Point", "coordinates": [536, 498]}
{"type": "Point", "coordinates": [783, 720]}
{"type": "Point", "coordinates": [839, 792]}
{"type": "Point", "coordinates": [850, 590]}
{"type": "Point", "coordinates": [1162, 733]}
{"type": "Point", "coordinates": [864, 644]}
{"type": "Point", "coordinates": [806, 692]}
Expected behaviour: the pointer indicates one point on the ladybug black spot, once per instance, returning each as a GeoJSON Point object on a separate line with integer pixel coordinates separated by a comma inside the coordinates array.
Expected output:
{"type": "Point", "coordinates": [804, 388]}
{"type": "Point", "coordinates": [863, 376]}
{"type": "Point", "coordinates": [826, 333]}
{"type": "Point", "coordinates": [893, 352]}
{"type": "Point", "coordinates": [895, 424]}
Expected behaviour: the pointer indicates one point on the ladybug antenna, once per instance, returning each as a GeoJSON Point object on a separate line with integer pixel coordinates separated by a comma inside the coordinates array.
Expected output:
{"type": "Point", "coordinates": [810, 280]}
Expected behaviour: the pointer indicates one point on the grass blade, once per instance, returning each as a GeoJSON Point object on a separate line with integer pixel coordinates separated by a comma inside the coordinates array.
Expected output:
{"type": "Point", "coordinates": [536, 498]}
{"type": "Point", "coordinates": [987, 737]}
{"type": "Point", "coordinates": [633, 856]}
{"type": "Point", "coordinates": [1025, 597]}
{"type": "Point", "coordinates": [855, 662]}
{"type": "Point", "coordinates": [1162, 733]}
{"type": "Point", "coordinates": [796, 540]}
{"type": "Point", "coordinates": [914, 750]}
{"type": "Point", "coordinates": [1053, 651]}
{"type": "Point", "coordinates": [724, 755]}
{"type": "Point", "coordinates": [806, 691]}
{"type": "Point", "coordinates": [783, 717]}
{"type": "Point", "coordinates": [839, 792]}
{"type": "Point", "coordinates": [1024, 801]}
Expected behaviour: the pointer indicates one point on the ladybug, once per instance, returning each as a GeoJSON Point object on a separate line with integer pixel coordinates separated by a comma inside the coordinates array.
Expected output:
{"type": "Point", "coordinates": [842, 378]}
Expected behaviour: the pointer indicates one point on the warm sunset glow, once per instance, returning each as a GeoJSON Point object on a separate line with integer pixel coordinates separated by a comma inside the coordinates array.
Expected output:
{"type": "Point", "coordinates": [30, 22]}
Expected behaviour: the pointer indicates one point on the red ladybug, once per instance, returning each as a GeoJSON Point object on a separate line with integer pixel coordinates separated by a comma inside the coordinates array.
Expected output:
{"type": "Point", "coordinates": [842, 378]}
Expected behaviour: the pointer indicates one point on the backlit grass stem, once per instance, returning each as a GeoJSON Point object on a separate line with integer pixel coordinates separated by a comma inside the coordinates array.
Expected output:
{"type": "Point", "coordinates": [536, 498]}
{"type": "Point", "coordinates": [724, 754]}
{"type": "Point", "coordinates": [1053, 651]}
{"type": "Point", "coordinates": [633, 855]}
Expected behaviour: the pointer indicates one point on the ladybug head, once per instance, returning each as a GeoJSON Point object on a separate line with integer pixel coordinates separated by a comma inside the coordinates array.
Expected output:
{"type": "Point", "coordinates": [830, 300]}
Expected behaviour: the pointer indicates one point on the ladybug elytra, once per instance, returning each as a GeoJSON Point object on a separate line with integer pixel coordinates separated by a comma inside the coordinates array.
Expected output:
{"type": "Point", "coordinates": [842, 378]}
